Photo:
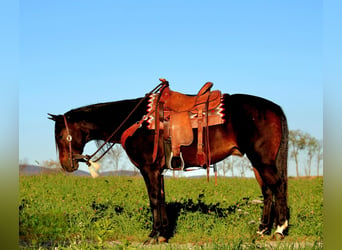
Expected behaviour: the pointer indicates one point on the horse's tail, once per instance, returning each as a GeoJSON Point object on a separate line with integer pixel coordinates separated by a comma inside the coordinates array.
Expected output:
{"type": "Point", "coordinates": [282, 155]}
{"type": "Point", "coordinates": [281, 159]}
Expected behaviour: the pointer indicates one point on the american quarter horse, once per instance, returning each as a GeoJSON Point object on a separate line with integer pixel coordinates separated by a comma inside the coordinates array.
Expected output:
{"type": "Point", "coordinates": [166, 129]}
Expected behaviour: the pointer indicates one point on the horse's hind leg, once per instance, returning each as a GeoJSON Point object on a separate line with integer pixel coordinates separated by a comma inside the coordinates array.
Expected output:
{"type": "Point", "coordinates": [269, 157]}
{"type": "Point", "coordinates": [267, 219]}
{"type": "Point", "coordinates": [282, 212]}
{"type": "Point", "coordinates": [273, 186]}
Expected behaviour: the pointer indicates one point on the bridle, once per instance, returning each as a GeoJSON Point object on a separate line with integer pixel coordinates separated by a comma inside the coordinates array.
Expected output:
{"type": "Point", "coordinates": [84, 158]}
{"type": "Point", "coordinates": [69, 139]}
{"type": "Point", "coordinates": [87, 158]}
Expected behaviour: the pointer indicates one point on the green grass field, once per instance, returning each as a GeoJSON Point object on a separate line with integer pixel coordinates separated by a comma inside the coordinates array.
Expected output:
{"type": "Point", "coordinates": [71, 212]}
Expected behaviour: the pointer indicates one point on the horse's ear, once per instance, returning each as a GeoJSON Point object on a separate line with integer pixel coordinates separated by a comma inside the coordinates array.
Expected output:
{"type": "Point", "coordinates": [52, 117]}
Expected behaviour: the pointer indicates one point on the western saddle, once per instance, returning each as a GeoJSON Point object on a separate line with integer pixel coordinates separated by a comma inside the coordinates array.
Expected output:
{"type": "Point", "coordinates": [178, 114]}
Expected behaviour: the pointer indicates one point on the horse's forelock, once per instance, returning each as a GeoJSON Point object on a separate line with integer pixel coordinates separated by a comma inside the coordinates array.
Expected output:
{"type": "Point", "coordinates": [59, 124]}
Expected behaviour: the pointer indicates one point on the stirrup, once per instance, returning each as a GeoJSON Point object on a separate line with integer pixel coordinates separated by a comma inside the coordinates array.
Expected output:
{"type": "Point", "coordinates": [182, 162]}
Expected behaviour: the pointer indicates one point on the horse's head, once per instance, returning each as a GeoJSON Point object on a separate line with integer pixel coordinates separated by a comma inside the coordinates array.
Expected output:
{"type": "Point", "coordinates": [69, 141]}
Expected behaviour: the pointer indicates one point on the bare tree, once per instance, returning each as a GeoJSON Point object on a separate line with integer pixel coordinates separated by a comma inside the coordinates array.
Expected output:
{"type": "Point", "coordinates": [244, 165]}
{"type": "Point", "coordinates": [111, 161]}
{"type": "Point", "coordinates": [312, 147]}
{"type": "Point", "coordinates": [297, 143]}
{"type": "Point", "coordinates": [319, 155]}
{"type": "Point", "coordinates": [226, 165]}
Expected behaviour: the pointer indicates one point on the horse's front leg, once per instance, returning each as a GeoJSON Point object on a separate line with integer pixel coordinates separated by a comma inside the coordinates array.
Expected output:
{"type": "Point", "coordinates": [154, 181]}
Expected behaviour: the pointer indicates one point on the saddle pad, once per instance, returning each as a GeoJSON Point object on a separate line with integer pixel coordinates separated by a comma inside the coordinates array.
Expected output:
{"type": "Point", "coordinates": [215, 114]}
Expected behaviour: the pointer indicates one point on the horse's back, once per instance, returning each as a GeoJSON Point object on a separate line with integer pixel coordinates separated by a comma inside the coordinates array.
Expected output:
{"type": "Point", "coordinates": [245, 110]}
{"type": "Point", "coordinates": [252, 103]}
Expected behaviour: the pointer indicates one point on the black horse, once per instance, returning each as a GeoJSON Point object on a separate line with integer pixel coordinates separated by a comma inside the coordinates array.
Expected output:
{"type": "Point", "coordinates": [252, 126]}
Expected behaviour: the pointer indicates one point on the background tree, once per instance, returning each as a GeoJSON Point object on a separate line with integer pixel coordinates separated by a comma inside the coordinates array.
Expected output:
{"type": "Point", "coordinates": [112, 160]}
{"type": "Point", "coordinates": [244, 165]}
{"type": "Point", "coordinates": [297, 143]}
{"type": "Point", "coordinates": [311, 147]}
{"type": "Point", "coordinates": [319, 155]}
{"type": "Point", "coordinates": [227, 165]}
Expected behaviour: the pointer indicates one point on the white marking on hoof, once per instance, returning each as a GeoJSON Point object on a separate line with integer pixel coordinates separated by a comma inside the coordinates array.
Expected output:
{"type": "Point", "coordinates": [261, 233]}
{"type": "Point", "coordinates": [280, 229]}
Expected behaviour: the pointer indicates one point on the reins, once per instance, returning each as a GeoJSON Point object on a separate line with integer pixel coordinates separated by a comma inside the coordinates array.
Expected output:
{"type": "Point", "coordinates": [87, 158]}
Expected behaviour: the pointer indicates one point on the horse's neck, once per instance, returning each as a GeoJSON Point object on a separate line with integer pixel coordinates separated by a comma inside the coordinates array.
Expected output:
{"type": "Point", "coordinates": [114, 121]}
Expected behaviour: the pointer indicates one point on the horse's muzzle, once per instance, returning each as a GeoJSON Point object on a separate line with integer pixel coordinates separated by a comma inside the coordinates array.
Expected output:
{"type": "Point", "coordinates": [70, 166]}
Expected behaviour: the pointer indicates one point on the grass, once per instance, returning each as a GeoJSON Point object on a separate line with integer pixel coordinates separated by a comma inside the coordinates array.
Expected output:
{"type": "Point", "coordinates": [113, 212]}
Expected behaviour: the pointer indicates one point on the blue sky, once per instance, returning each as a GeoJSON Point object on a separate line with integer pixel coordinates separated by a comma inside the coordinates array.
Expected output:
{"type": "Point", "coordinates": [74, 53]}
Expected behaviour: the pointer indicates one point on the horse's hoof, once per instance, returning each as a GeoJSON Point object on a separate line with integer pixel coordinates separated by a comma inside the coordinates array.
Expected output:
{"type": "Point", "coordinates": [155, 240]}
{"type": "Point", "coordinates": [278, 236]}
{"type": "Point", "coordinates": [162, 239]}
{"type": "Point", "coordinates": [262, 232]}
{"type": "Point", "coordinates": [151, 241]}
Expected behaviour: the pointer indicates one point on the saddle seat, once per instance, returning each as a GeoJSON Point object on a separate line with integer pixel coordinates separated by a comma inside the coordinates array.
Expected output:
{"type": "Point", "coordinates": [179, 102]}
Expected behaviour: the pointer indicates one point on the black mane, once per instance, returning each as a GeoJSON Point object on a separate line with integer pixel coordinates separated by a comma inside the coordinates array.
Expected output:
{"type": "Point", "coordinates": [108, 115]}
{"type": "Point", "coordinates": [101, 110]}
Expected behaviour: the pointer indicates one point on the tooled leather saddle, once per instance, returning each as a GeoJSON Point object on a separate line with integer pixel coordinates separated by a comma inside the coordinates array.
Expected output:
{"type": "Point", "coordinates": [178, 114]}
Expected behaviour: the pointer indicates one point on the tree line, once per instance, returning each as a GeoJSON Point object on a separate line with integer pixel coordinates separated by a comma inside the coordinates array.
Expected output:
{"type": "Point", "coordinates": [304, 150]}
